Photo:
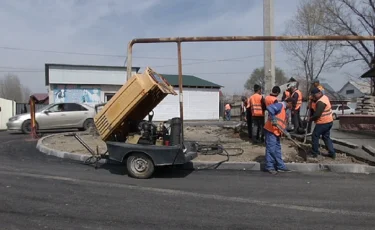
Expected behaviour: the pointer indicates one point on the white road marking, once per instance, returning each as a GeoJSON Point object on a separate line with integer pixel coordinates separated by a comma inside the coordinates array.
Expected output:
{"type": "Point", "coordinates": [173, 192]}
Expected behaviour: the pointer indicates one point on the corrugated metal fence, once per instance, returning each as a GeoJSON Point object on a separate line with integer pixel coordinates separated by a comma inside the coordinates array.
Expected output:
{"type": "Point", "coordinates": [7, 111]}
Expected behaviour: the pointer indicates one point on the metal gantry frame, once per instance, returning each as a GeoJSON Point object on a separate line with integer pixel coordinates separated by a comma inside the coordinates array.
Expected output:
{"type": "Point", "coordinates": [180, 40]}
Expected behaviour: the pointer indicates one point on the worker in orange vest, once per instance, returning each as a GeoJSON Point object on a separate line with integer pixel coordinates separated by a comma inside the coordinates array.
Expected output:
{"type": "Point", "coordinates": [227, 112]}
{"type": "Point", "coordinates": [257, 107]}
{"type": "Point", "coordinates": [272, 98]}
{"type": "Point", "coordinates": [297, 97]}
{"type": "Point", "coordinates": [248, 118]}
{"type": "Point", "coordinates": [243, 108]}
{"type": "Point", "coordinates": [312, 104]}
{"type": "Point", "coordinates": [286, 93]}
{"type": "Point", "coordinates": [323, 124]}
{"type": "Point", "coordinates": [277, 119]}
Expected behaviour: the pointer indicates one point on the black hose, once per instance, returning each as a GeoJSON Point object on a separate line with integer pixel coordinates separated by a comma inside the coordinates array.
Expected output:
{"type": "Point", "coordinates": [217, 149]}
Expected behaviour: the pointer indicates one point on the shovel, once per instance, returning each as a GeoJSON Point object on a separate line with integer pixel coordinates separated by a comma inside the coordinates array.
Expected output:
{"type": "Point", "coordinates": [294, 141]}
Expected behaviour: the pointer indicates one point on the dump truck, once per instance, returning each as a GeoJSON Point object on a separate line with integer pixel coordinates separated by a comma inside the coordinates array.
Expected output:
{"type": "Point", "coordinates": [138, 142]}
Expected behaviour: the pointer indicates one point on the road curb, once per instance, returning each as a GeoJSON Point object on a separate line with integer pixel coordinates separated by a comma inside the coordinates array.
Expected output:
{"type": "Point", "coordinates": [61, 154]}
{"type": "Point", "coordinates": [239, 166]}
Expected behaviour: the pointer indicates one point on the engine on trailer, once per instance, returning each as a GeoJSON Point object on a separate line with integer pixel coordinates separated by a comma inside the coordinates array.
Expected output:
{"type": "Point", "coordinates": [147, 133]}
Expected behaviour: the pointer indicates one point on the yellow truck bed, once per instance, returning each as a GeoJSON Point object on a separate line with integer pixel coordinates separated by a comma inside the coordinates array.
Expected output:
{"type": "Point", "coordinates": [135, 99]}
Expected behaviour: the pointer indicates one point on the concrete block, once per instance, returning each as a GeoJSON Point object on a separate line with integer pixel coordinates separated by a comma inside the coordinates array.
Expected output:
{"type": "Point", "coordinates": [303, 167]}
{"type": "Point", "coordinates": [345, 143]}
{"type": "Point", "coordinates": [346, 168]}
{"type": "Point", "coordinates": [369, 149]}
{"type": "Point", "coordinates": [229, 126]}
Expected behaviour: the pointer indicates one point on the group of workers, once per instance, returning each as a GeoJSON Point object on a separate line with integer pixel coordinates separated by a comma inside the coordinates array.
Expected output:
{"type": "Point", "coordinates": [271, 129]}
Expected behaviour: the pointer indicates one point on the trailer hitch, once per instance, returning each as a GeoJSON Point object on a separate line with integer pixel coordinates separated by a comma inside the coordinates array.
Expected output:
{"type": "Point", "coordinates": [95, 155]}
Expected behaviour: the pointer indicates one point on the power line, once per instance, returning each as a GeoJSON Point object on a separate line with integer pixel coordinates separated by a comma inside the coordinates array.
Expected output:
{"type": "Point", "coordinates": [106, 55]}
{"type": "Point", "coordinates": [32, 70]}
{"type": "Point", "coordinates": [17, 68]}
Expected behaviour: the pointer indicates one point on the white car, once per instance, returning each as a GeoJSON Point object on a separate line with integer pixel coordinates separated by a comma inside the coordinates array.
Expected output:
{"type": "Point", "coordinates": [337, 111]}
{"type": "Point", "coordinates": [55, 116]}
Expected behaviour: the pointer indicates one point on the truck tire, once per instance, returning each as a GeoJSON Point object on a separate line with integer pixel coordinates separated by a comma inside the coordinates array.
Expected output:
{"type": "Point", "coordinates": [140, 166]}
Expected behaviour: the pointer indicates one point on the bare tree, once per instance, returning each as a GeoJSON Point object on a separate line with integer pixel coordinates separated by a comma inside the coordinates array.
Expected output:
{"type": "Point", "coordinates": [12, 89]}
{"type": "Point", "coordinates": [26, 93]}
{"type": "Point", "coordinates": [350, 17]}
{"type": "Point", "coordinates": [257, 77]}
{"type": "Point", "coordinates": [310, 57]}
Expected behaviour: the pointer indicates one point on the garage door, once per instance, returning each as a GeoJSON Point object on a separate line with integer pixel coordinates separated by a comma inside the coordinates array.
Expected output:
{"type": "Point", "coordinates": [199, 104]}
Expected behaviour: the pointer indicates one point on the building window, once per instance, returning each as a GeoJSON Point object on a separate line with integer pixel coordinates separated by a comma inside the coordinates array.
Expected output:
{"type": "Point", "coordinates": [108, 96]}
{"type": "Point", "coordinates": [350, 91]}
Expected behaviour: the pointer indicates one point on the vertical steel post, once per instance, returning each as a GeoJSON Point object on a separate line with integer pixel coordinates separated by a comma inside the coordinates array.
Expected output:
{"type": "Point", "coordinates": [180, 90]}
{"type": "Point", "coordinates": [129, 61]}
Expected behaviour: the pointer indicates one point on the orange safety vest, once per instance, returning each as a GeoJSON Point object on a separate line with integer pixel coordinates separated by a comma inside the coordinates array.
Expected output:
{"type": "Point", "coordinates": [313, 104]}
{"type": "Point", "coordinates": [299, 100]}
{"type": "Point", "coordinates": [287, 94]}
{"type": "Point", "coordinates": [326, 116]}
{"type": "Point", "coordinates": [269, 100]}
{"type": "Point", "coordinates": [227, 107]}
{"type": "Point", "coordinates": [281, 121]}
{"type": "Point", "coordinates": [256, 105]}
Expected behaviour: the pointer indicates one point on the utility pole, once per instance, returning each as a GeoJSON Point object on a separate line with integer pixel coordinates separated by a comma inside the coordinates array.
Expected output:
{"type": "Point", "coordinates": [269, 49]}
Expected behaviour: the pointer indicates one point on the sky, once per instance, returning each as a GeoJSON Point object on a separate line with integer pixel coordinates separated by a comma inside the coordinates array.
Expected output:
{"type": "Point", "coordinates": [96, 32]}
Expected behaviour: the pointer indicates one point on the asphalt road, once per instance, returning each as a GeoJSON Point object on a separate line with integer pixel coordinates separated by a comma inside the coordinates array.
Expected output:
{"type": "Point", "coordinates": [42, 192]}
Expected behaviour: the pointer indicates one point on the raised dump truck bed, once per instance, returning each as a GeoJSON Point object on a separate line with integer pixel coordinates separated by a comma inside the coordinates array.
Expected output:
{"type": "Point", "coordinates": [136, 98]}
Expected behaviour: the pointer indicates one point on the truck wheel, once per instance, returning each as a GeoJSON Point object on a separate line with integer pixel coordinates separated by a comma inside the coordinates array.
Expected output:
{"type": "Point", "coordinates": [140, 166]}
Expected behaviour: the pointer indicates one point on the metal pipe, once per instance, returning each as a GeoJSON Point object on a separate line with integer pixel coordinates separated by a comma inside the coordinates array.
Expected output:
{"type": "Point", "coordinates": [79, 139]}
{"type": "Point", "coordinates": [239, 38]}
{"type": "Point", "coordinates": [253, 38]}
{"type": "Point", "coordinates": [129, 61]}
{"type": "Point", "coordinates": [179, 40]}
{"type": "Point", "coordinates": [180, 90]}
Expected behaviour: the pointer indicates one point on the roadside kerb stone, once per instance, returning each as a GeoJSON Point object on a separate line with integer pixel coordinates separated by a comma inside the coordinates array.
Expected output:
{"type": "Point", "coordinates": [243, 166]}
{"type": "Point", "coordinates": [61, 154]}
{"type": "Point", "coordinates": [370, 150]}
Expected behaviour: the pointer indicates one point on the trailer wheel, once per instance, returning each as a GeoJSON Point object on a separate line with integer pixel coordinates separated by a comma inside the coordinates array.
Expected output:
{"type": "Point", "coordinates": [140, 166]}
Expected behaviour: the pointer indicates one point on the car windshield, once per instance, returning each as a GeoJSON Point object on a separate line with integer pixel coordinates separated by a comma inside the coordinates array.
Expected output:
{"type": "Point", "coordinates": [334, 107]}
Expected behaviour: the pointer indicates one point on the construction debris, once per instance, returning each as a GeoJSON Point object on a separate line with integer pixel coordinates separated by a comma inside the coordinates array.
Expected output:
{"type": "Point", "coordinates": [365, 105]}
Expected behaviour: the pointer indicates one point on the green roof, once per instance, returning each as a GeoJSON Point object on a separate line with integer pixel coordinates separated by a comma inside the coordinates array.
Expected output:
{"type": "Point", "coordinates": [190, 81]}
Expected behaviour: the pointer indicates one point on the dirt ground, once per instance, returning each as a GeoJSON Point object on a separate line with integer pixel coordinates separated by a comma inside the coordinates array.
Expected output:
{"type": "Point", "coordinates": [204, 135]}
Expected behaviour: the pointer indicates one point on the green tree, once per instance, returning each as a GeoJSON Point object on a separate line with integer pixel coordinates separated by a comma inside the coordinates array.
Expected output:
{"type": "Point", "coordinates": [257, 77]}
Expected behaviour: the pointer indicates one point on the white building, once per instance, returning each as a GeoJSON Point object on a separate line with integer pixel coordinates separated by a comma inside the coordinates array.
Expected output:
{"type": "Point", "coordinates": [355, 89]}
{"type": "Point", "coordinates": [97, 84]}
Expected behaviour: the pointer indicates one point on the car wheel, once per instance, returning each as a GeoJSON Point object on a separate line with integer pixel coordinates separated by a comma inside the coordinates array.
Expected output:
{"type": "Point", "coordinates": [351, 113]}
{"type": "Point", "coordinates": [87, 124]}
{"type": "Point", "coordinates": [334, 116]}
{"type": "Point", "coordinates": [140, 166]}
{"type": "Point", "coordinates": [26, 127]}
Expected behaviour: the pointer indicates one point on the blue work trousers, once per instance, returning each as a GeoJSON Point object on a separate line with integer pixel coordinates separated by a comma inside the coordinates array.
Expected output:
{"type": "Point", "coordinates": [227, 115]}
{"type": "Point", "coordinates": [323, 130]}
{"type": "Point", "coordinates": [274, 159]}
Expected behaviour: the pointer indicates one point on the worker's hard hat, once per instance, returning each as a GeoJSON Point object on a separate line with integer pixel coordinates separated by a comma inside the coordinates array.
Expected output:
{"type": "Point", "coordinates": [316, 80]}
